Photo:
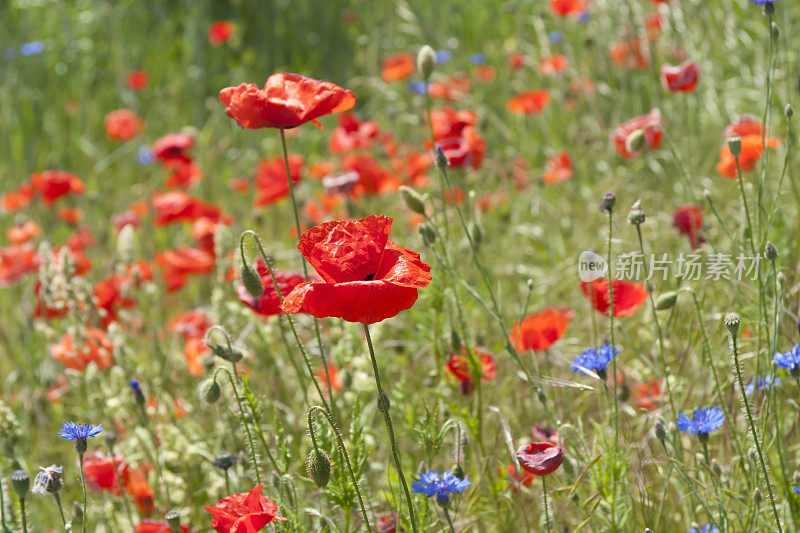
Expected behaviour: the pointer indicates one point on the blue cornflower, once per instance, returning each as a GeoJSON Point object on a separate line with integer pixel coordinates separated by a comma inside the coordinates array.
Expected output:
{"type": "Point", "coordinates": [708, 528]}
{"type": "Point", "coordinates": [789, 360]}
{"type": "Point", "coordinates": [584, 17]}
{"type": "Point", "coordinates": [145, 155]}
{"type": "Point", "coordinates": [554, 36]}
{"type": "Point", "coordinates": [477, 59]}
{"type": "Point", "coordinates": [704, 420]}
{"type": "Point", "coordinates": [31, 48]}
{"type": "Point", "coordinates": [762, 2]}
{"type": "Point", "coordinates": [443, 56]}
{"type": "Point", "coordinates": [760, 383]}
{"type": "Point", "coordinates": [73, 431]}
{"type": "Point", "coordinates": [432, 484]}
{"type": "Point", "coordinates": [594, 359]}
{"type": "Point", "coordinates": [795, 489]}
{"type": "Point", "coordinates": [417, 87]}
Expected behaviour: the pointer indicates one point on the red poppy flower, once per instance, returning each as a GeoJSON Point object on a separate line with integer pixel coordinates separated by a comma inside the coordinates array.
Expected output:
{"type": "Point", "coordinates": [190, 324]}
{"type": "Point", "coordinates": [459, 365]}
{"type": "Point", "coordinates": [398, 67]}
{"type": "Point", "coordinates": [451, 90]}
{"type": "Point", "coordinates": [516, 60]}
{"type": "Point", "coordinates": [552, 65]}
{"type": "Point", "coordinates": [567, 8]}
{"type": "Point", "coordinates": [648, 394]}
{"type": "Point", "coordinates": [180, 262]}
{"type": "Point", "coordinates": [529, 103]}
{"type": "Point", "coordinates": [689, 221]}
{"type": "Point", "coordinates": [365, 277]}
{"type": "Point", "coordinates": [173, 147]}
{"type": "Point", "coordinates": [286, 101]}
{"type": "Point", "coordinates": [18, 199]}
{"type": "Point", "coordinates": [154, 526]}
{"type": "Point", "coordinates": [184, 175]}
{"type": "Point", "coordinates": [629, 55]}
{"type": "Point", "coordinates": [246, 512]}
{"type": "Point", "coordinates": [352, 134]}
{"type": "Point", "coordinates": [333, 373]}
{"type": "Point", "coordinates": [16, 261]}
{"type": "Point", "coordinates": [749, 129]}
{"type": "Point", "coordinates": [652, 25]}
{"type": "Point", "coordinates": [94, 348]}
{"type": "Point", "coordinates": [745, 125]}
{"type": "Point", "coordinates": [558, 169]}
{"type": "Point", "coordinates": [134, 481]}
{"type": "Point", "coordinates": [485, 73]}
{"type": "Point", "coordinates": [123, 125]}
{"type": "Point", "coordinates": [372, 177]}
{"type": "Point", "coordinates": [541, 330]}
{"type": "Point", "coordinates": [540, 458]}
{"type": "Point", "coordinates": [177, 206]}
{"type": "Point", "coordinates": [682, 78]}
{"type": "Point", "coordinates": [101, 472]}
{"type": "Point", "coordinates": [220, 32]}
{"type": "Point", "coordinates": [137, 80]}
{"type": "Point", "coordinates": [271, 182]}
{"type": "Point", "coordinates": [651, 124]}
{"type": "Point", "coordinates": [628, 296]}
{"type": "Point", "coordinates": [53, 184]}
{"type": "Point", "coordinates": [23, 233]}
{"type": "Point", "coordinates": [545, 434]}
{"type": "Point", "coordinates": [467, 149]}
{"type": "Point", "coordinates": [269, 302]}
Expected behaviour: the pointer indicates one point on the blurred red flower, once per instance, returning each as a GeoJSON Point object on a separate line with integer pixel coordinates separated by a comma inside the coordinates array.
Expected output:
{"type": "Point", "coordinates": [352, 133]}
{"type": "Point", "coordinates": [154, 526]}
{"type": "Point", "coordinates": [628, 296]}
{"type": "Point", "coordinates": [541, 330]}
{"type": "Point", "coordinates": [365, 277]}
{"type": "Point", "coordinates": [53, 184]}
{"type": "Point", "coordinates": [178, 263]}
{"type": "Point", "coordinates": [220, 32]}
{"type": "Point", "coordinates": [553, 64]}
{"type": "Point", "coordinates": [628, 54]}
{"type": "Point", "coordinates": [688, 220]}
{"type": "Point", "coordinates": [177, 206]}
{"type": "Point", "coordinates": [651, 124]}
{"type": "Point", "coordinates": [271, 183]}
{"type": "Point", "coordinates": [137, 80]}
{"type": "Point", "coordinates": [286, 101]}
{"type": "Point", "coordinates": [459, 365]}
{"type": "Point", "coordinates": [648, 394]}
{"type": "Point", "coordinates": [682, 78]}
{"type": "Point", "coordinates": [22, 233]}
{"type": "Point", "coordinates": [540, 458]}
{"type": "Point", "coordinates": [123, 125]}
{"type": "Point", "coordinates": [558, 169]}
{"type": "Point", "coordinates": [566, 8]}
{"type": "Point", "coordinates": [16, 261]}
{"type": "Point", "coordinates": [95, 347]}
{"type": "Point", "coordinates": [246, 512]}
{"type": "Point", "coordinates": [269, 302]}
{"type": "Point", "coordinates": [333, 372]}
{"type": "Point", "coordinates": [172, 148]}
{"type": "Point", "coordinates": [749, 129]}
{"type": "Point", "coordinates": [530, 102]}
{"type": "Point", "coordinates": [398, 67]}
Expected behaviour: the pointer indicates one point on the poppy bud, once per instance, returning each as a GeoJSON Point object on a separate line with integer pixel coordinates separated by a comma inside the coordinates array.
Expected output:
{"type": "Point", "coordinates": [781, 279]}
{"type": "Point", "coordinates": [624, 392]}
{"type": "Point", "coordinates": [441, 159]}
{"type": "Point", "coordinates": [607, 202]}
{"type": "Point", "coordinates": [224, 460]}
{"type": "Point", "coordinates": [426, 59]}
{"type": "Point", "coordinates": [576, 497]}
{"type": "Point", "coordinates": [660, 430]}
{"type": "Point", "coordinates": [770, 252]}
{"type": "Point", "coordinates": [540, 395]}
{"type": "Point", "coordinates": [318, 467]}
{"type": "Point", "coordinates": [20, 482]}
{"type": "Point", "coordinates": [209, 391]}
{"type": "Point", "coordinates": [716, 467]}
{"type": "Point", "coordinates": [229, 354]}
{"type": "Point", "coordinates": [757, 498]}
{"type": "Point", "coordinates": [634, 143]}
{"type": "Point", "coordinates": [477, 233]}
{"type": "Point", "coordinates": [77, 515]}
{"type": "Point", "coordinates": [788, 111]}
{"type": "Point", "coordinates": [774, 31]}
{"type": "Point", "coordinates": [173, 519]}
{"type": "Point", "coordinates": [251, 281]}
{"type": "Point", "coordinates": [636, 215]}
{"type": "Point", "coordinates": [413, 199]}
{"type": "Point", "coordinates": [428, 233]}
{"type": "Point", "coordinates": [735, 145]}
{"type": "Point", "coordinates": [732, 321]}
{"type": "Point", "coordinates": [455, 341]}
{"type": "Point", "coordinates": [648, 530]}
{"type": "Point", "coordinates": [666, 301]}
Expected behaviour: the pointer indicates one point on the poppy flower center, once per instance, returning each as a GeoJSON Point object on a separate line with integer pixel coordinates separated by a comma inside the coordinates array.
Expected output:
{"type": "Point", "coordinates": [369, 277]}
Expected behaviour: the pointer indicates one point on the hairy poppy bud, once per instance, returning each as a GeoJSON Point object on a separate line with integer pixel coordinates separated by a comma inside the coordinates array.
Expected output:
{"type": "Point", "coordinates": [20, 482]}
{"type": "Point", "coordinates": [666, 301]}
{"type": "Point", "coordinates": [634, 143]}
{"type": "Point", "coordinates": [441, 159]}
{"type": "Point", "coordinates": [224, 460]}
{"type": "Point", "coordinates": [788, 111]}
{"type": "Point", "coordinates": [426, 59]}
{"type": "Point", "coordinates": [477, 233]}
{"type": "Point", "coordinates": [428, 233]}
{"type": "Point", "coordinates": [770, 252]}
{"type": "Point", "coordinates": [318, 467]}
{"type": "Point", "coordinates": [413, 199]}
{"type": "Point", "coordinates": [636, 215]}
{"type": "Point", "coordinates": [251, 281]}
{"type": "Point", "coordinates": [77, 515]}
{"type": "Point", "coordinates": [455, 341]}
{"type": "Point", "coordinates": [781, 279]}
{"type": "Point", "coordinates": [732, 321]}
{"type": "Point", "coordinates": [209, 391]}
{"type": "Point", "coordinates": [607, 202]}
{"type": "Point", "coordinates": [660, 430]}
{"type": "Point", "coordinates": [735, 145]}
{"type": "Point", "coordinates": [752, 454]}
{"type": "Point", "coordinates": [173, 519]}
{"type": "Point", "coordinates": [774, 31]}
{"type": "Point", "coordinates": [229, 354]}
{"type": "Point", "coordinates": [716, 467]}
{"type": "Point", "coordinates": [757, 498]}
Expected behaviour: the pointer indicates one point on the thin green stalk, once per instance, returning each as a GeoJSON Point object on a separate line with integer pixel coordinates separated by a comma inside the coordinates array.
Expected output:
{"type": "Point", "coordinates": [449, 520]}
{"type": "Point", "coordinates": [25, 519]}
{"type": "Point", "coordinates": [613, 365]}
{"type": "Point", "coordinates": [723, 517]}
{"type": "Point", "coordinates": [544, 493]}
{"type": "Point", "coordinates": [60, 509]}
{"type": "Point", "coordinates": [740, 180]}
{"type": "Point", "coordinates": [387, 418]}
{"type": "Point", "coordinates": [735, 352]}
{"type": "Point", "coordinates": [343, 451]}
{"type": "Point", "coordinates": [83, 489]}
{"type": "Point", "coordinates": [305, 268]}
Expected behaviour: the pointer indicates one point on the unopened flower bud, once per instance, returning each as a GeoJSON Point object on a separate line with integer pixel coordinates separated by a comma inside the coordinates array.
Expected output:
{"type": "Point", "coordinates": [77, 516]}
{"type": "Point", "coordinates": [413, 199]}
{"type": "Point", "coordinates": [251, 280]}
{"type": "Point", "coordinates": [441, 159]}
{"type": "Point", "coordinates": [634, 142]}
{"type": "Point", "coordinates": [318, 467]}
{"type": "Point", "coordinates": [224, 352]}
{"type": "Point", "coordinates": [770, 252]}
{"type": "Point", "coordinates": [224, 460]}
{"type": "Point", "coordinates": [607, 202]}
{"type": "Point", "coordinates": [660, 430]}
{"type": "Point", "coordinates": [774, 31]}
{"type": "Point", "coordinates": [428, 233]}
{"type": "Point", "coordinates": [752, 454]}
{"type": "Point", "coordinates": [735, 145]}
{"type": "Point", "coordinates": [426, 59]}
{"type": "Point", "coordinates": [477, 233]}
{"type": "Point", "coordinates": [757, 497]}
{"type": "Point", "coordinates": [636, 215]}
{"type": "Point", "coordinates": [209, 391]}
{"type": "Point", "coordinates": [455, 341]}
{"type": "Point", "coordinates": [732, 321]}
{"type": "Point", "coordinates": [788, 111]}
{"type": "Point", "coordinates": [20, 482]}
{"type": "Point", "coordinates": [716, 467]}
{"type": "Point", "coordinates": [173, 519]}
{"type": "Point", "coordinates": [666, 301]}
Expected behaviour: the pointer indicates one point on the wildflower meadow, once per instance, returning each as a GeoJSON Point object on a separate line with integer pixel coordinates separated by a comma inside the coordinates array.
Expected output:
{"type": "Point", "coordinates": [399, 266]}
